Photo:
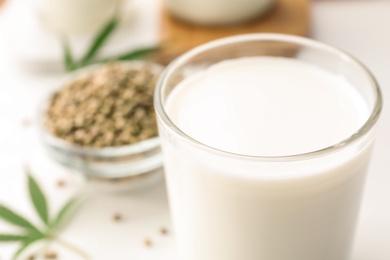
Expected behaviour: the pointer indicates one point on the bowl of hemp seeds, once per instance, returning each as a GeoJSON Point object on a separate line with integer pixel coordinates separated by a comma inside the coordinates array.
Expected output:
{"type": "Point", "coordinates": [101, 122]}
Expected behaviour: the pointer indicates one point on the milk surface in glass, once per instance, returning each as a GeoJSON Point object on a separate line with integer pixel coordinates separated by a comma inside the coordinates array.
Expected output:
{"type": "Point", "coordinates": [225, 209]}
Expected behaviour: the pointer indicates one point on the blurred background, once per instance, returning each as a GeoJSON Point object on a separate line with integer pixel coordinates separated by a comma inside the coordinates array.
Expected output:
{"type": "Point", "coordinates": [70, 49]}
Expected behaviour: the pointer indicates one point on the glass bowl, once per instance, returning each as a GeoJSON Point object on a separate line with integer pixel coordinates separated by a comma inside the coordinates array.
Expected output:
{"type": "Point", "coordinates": [121, 168]}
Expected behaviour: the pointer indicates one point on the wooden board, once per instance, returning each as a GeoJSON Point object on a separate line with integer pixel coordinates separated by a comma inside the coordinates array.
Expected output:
{"type": "Point", "coordinates": [287, 16]}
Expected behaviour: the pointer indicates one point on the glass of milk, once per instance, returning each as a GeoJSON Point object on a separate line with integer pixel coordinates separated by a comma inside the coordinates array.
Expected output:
{"type": "Point", "coordinates": [218, 12]}
{"type": "Point", "coordinates": [266, 141]}
{"type": "Point", "coordinates": [76, 16]}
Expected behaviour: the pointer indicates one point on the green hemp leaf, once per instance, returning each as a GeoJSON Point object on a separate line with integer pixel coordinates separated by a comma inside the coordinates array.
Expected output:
{"type": "Point", "coordinates": [30, 233]}
{"type": "Point", "coordinates": [96, 45]}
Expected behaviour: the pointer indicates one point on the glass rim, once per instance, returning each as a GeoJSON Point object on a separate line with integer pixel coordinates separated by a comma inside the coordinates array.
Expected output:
{"type": "Point", "coordinates": [357, 135]}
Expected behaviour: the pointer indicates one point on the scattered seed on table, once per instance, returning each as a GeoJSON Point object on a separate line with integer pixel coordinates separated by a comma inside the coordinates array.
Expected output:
{"type": "Point", "coordinates": [51, 255]}
{"type": "Point", "coordinates": [164, 231]}
{"type": "Point", "coordinates": [117, 217]}
{"type": "Point", "coordinates": [26, 122]}
{"type": "Point", "coordinates": [148, 242]}
{"type": "Point", "coordinates": [61, 183]}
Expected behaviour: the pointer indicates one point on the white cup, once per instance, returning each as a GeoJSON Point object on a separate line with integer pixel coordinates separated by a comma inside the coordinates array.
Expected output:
{"type": "Point", "coordinates": [72, 16]}
{"type": "Point", "coordinates": [217, 12]}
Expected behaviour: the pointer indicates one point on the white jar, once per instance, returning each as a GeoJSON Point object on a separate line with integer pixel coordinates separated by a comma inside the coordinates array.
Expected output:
{"type": "Point", "coordinates": [76, 15]}
{"type": "Point", "coordinates": [217, 12]}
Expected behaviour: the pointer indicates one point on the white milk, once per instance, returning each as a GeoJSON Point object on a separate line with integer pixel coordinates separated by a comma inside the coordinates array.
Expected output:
{"type": "Point", "coordinates": [70, 16]}
{"type": "Point", "coordinates": [229, 208]}
{"type": "Point", "coordinates": [218, 12]}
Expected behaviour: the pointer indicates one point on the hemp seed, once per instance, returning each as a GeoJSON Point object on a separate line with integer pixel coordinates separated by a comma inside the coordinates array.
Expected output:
{"type": "Point", "coordinates": [110, 106]}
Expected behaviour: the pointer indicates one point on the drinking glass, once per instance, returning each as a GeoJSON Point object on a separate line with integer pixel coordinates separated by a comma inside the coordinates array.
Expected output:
{"type": "Point", "coordinates": [218, 12]}
{"type": "Point", "coordinates": [228, 206]}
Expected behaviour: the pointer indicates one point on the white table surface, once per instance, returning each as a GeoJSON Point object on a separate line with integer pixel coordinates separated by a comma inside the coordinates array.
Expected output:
{"type": "Point", "coordinates": [359, 27]}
